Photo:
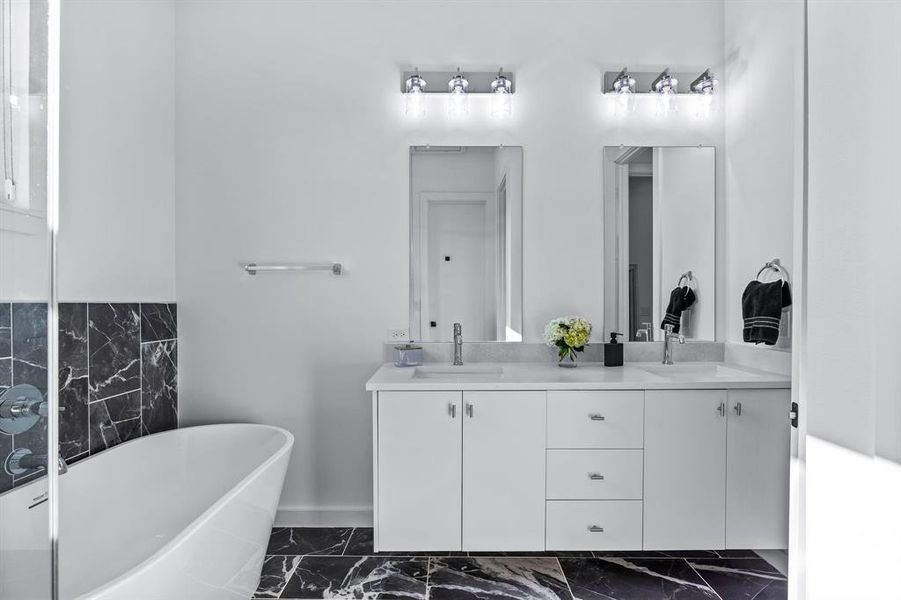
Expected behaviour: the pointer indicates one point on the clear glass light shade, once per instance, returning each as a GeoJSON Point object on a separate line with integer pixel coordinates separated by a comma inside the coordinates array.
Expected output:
{"type": "Point", "coordinates": [414, 103]}
{"type": "Point", "coordinates": [704, 105]}
{"type": "Point", "coordinates": [458, 99]}
{"type": "Point", "coordinates": [501, 104]}
{"type": "Point", "coordinates": [666, 102]}
{"type": "Point", "coordinates": [624, 102]}
{"type": "Point", "coordinates": [414, 98]}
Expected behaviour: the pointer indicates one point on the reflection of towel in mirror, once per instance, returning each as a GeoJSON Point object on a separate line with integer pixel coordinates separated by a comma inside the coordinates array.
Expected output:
{"type": "Point", "coordinates": [681, 298]}
{"type": "Point", "coordinates": [761, 308]}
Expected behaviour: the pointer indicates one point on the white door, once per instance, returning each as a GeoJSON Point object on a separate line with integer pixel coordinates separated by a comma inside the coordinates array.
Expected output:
{"type": "Point", "coordinates": [685, 470]}
{"type": "Point", "coordinates": [504, 470]}
{"type": "Point", "coordinates": [849, 386]}
{"type": "Point", "coordinates": [457, 260]}
{"type": "Point", "coordinates": [757, 478]}
{"type": "Point", "coordinates": [419, 470]}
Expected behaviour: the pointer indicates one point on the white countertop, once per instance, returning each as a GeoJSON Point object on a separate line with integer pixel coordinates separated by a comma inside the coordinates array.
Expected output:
{"type": "Point", "coordinates": [587, 376]}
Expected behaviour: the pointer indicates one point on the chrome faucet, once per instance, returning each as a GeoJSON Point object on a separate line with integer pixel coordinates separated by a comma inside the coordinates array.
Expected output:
{"type": "Point", "coordinates": [458, 344]}
{"type": "Point", "coordinates": [668, 338]}
{"type": "Point", "coordinates": [649, 331]}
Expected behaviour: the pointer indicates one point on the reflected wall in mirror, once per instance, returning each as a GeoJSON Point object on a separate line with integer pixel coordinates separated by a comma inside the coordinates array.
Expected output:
{"type": "Point", "coordinates": [466, 242]}
{"type": "Point", "coordinates": [660, 241]}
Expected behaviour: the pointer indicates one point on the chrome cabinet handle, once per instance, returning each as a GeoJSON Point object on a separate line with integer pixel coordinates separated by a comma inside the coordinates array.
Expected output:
{"type": "Point", "coordinates": [595, 529]}
{"type": "Point", "coordinates": [737, 409]}
{"type": "Point", "coordinates": [595, 477]}
{"type": "Point", "coordinates": [722, 409]}
{"type": "Point", "coordinates": [452, 409]}
{"type": "Point", "coordinates": [469, 410]}
{"type": "Point", "coordinates": [596, 417]}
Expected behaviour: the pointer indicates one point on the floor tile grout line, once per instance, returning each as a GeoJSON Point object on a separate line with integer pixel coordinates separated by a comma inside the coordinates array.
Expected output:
{"type": "Point", "coordinates": [698, 573]}
{"type": "Point", "coordinates": [565, 578]}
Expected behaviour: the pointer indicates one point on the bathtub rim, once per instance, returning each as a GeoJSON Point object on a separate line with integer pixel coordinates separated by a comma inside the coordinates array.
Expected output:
{"type": "Point", "coordinates": [207, 514]}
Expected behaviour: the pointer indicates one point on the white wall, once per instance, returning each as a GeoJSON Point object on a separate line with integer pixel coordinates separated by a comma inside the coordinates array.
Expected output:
{"type": "Point", "coordinates": [117, 140]}
{"type": "Point", "coordinates": [763, 87]}
{"type": "Point", "coordinates": [292, 145]}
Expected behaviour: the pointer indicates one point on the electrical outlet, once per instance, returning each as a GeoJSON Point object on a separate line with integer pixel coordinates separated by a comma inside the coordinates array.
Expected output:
{"type": "Point", "coordinates": [398, 335]}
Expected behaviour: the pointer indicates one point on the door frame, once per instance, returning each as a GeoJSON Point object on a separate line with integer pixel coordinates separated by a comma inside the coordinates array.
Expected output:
{"type": "Point", "coordinates": [419, 282]}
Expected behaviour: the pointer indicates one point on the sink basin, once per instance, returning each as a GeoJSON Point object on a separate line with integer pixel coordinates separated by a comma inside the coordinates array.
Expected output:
{"type": "Point", "coordinates": [699, 372]}
{"type": "Point", "coordinates": [461, 373]}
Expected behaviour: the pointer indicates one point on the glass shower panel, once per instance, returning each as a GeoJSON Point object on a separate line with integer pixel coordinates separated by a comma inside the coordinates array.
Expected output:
{"type": "Point", "coordinates": [28, 498]}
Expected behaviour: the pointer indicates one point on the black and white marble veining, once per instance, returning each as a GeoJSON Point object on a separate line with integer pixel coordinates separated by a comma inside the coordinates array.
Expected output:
{"type": "Point", "coordinates": [6, 446]}
{"type": "Point", "coordinates": [628, 579]}
{"type": "Point", "coordinates": [370, 578]}
{"type": "Point", "coordinates": [159, 322]}
{"type": "Point", "coordinates": [362, 541]}
{"type": "Point", "coordinates": [115, 420]}
{"type": "Point", "coordinates": [5, 331]}
{"type": "Point", "coordinates": [114, 342]}
{"type": "Point", "coordinates": [309, 540]}
{"type": "Point", "coordinates": [277, 570]}
{"type": "Point", "coordinates": [742, 578]}
{"type": "Point", "coordinates": [74, 422]}
{"type": "Point", "coordinates": [501, 578]}
{"type": "Point", "coordinates": [29, 344]}
{"type": "Point", "coordinates": [159, 386]}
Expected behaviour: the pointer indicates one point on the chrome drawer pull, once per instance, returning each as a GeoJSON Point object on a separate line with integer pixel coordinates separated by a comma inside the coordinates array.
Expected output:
{"type": "Point", "coordinates": [595, 477]}
{"type": "Point", "coordinates": [596, 417]}
{"type": "Point", "coordinates": [595, 529]}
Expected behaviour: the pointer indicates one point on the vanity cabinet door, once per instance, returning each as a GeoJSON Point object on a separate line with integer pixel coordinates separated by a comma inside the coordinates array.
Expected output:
{"type": "Point", "coordinates": [419, 470]}
{"type": "Point", "coordinates": [504, 470]}
{"type": "Point", "coordinates": [757, 465]}
{"type": "Point", "coordinates": [685, 470]}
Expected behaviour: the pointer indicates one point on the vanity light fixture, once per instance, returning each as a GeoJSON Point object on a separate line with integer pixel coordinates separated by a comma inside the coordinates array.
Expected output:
{"type": "Point", "coordinates": [624, 88]}
{"type": "Point", "coordinates": [703, 86]}
{"type": "Point", "coordinates": [666, 87]}
{"type": "Point", "coordinates": [414, 101]}
{"type": "Point", "coordinates": [501, 96]}
{"type": "Point", "coordinates": [458, 101]}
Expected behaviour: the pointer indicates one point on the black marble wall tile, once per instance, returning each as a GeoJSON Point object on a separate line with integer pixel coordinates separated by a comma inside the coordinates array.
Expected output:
{"type": "Point", "coordinates": [74, 421]}
{"type": "Point", "coordinates": [29, 344]}
{"type": "Point", "coordinates": [5, 332]}
{"type": "Point", "coordinates": [158, 322]}
{"type": "Point", "coordinates": [6, 446]}
{"type": "Point", "coordinates": [159, 389]}
{"type": "Point", "coordinates": [114, 342]}
{"type": "Point", "coordinates": [115, 420]}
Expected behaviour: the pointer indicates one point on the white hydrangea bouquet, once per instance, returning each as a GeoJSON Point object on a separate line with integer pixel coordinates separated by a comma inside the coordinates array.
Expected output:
{"type": "Point", "coordinates": [568, 335]}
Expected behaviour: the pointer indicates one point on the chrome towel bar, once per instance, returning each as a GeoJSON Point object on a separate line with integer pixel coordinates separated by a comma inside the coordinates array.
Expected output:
{"type": "Point", "coordinates": [335, 268]}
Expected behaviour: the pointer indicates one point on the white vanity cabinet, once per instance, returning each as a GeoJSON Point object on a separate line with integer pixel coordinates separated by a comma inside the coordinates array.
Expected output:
{"type": "Point", "coordinates": [419, 470]}
{"type": "Point", "coordinates": [685, 469]}
{"type": "Point", "coordinates": [526, 466]}
{"type": "Point", "coordinates": [758, 441]}
{"type": "Point", "coordinates": [460, 470]}
{"type": "Point", "coordinates": [503, 470]}
{"type": "Point", "coordinates": [716, 469]}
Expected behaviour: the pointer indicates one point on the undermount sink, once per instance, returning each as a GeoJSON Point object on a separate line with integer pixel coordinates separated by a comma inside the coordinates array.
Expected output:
{"type": "Point", "coordinates": [699, 371]}
{"type": "Point", "coordinates": [463, 372]}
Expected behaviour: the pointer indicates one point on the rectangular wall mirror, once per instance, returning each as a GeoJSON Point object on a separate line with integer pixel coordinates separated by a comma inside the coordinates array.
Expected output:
{"type": "Point", "coordinates": [659, 241]}
{"type": "Point", "coordinates": [466, 242]}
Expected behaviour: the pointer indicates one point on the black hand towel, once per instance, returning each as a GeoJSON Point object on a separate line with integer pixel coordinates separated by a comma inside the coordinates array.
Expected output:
{"type": "Point", "coordinates": [681, 298]}
{"type": "Point", "coordinates": [761, 308]}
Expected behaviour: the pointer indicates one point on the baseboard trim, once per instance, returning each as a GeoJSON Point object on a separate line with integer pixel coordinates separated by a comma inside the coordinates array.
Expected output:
{"type": "Point", "coordinates": [321, 516]}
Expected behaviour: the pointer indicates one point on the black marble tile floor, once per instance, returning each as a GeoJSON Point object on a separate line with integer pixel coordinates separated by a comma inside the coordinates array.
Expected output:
{"type": "Point", "coordinates": [339, 562]}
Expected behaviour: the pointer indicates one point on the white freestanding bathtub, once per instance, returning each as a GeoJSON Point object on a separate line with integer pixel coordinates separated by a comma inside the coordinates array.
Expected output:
{"type": "Point", "coordinates": [184, 514]}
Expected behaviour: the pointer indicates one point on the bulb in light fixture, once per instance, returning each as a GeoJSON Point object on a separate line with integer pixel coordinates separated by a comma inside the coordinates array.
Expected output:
{"type": "Point", "coordinates": [414, 100]}
{"type": "Point", "coordinates": [666, 88]}
{"type": "Point", "coordinates": [703, 87]}
{"type": "Point", "coordinates": [501, 96]}
{"type": "Point", "coordinates": [458, 99]}
{"type": "Point", "coordinates": [624, 88]}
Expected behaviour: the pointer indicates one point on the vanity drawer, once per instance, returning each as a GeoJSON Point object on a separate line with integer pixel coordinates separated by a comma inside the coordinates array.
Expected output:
{"type": "Point", "coordinates": [595, 419]}
{"type": "Point", "coordinates": [594, 525]}
{"type": "Point", "coordinates": [594, 474]}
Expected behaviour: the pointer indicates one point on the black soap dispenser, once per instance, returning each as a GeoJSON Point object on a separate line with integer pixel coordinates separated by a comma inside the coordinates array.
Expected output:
{"type": "Point", "coordinates": [613, 352]}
